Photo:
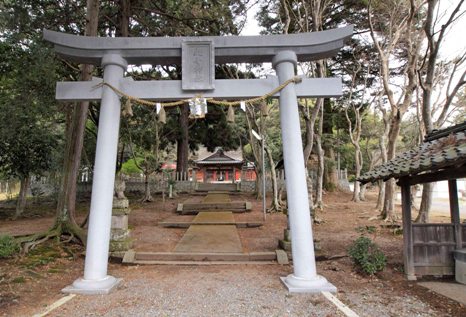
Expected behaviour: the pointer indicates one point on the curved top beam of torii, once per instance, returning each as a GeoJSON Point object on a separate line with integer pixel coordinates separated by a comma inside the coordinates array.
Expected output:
{"type": "Point", "coordinates": [228, 49]}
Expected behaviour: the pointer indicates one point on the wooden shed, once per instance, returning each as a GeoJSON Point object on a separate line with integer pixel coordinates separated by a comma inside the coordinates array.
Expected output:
{"type": "Point", "coordinates": [428, 247]}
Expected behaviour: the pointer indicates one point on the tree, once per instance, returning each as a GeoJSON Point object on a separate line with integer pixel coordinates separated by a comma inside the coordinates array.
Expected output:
{"type": "Point", "coordinates": [296, 17]}
{"type": "Point", "coordinates": [305, 16]}
{"type": "Point", "coordinates": [28, 137]}
{"type": "Point", "coordinates": [148, 141]}
{"type": "Point", "coordinates": [394, 27]}
{"type": "Point", "coordinates": [186, 18]}
{"type": "Point", "coordinates": [25, 27]}
{"type": "Point", "coordinates": [427, 72]}
{"type": "Point", "coordinates": [75, 128]}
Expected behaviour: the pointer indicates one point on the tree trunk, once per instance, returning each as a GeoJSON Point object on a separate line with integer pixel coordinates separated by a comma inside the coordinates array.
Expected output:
{"type": "Point", "coordinates": [362, 192]}
{"type": "Point", "coordinates": [330, 170]}
{"type": "Point", "coordinates": [426, 202]}
{"type": "Point", "coordinates": [21, 202]}
{"type": "Point", "coordinates": [388, 211]}
{"type": "Point", "coordinates": [147, 195]}
{"type": "Point", "coordinates": [383, 154]}
{"type": "Point", "coordinates": [182, 150]}
{"type": "Point", "coordinates": [255, 147]}
{"type": "Point", "coordinates": [122, 28]}
{"type": "Point", "coordinates": [357, 162]}
{"type": "Point", "coordinates": [320, 171]}
{"type": "Point", "coordinates": [275, 206]}
{"type": "Point", "coordinates": [77, 116]}
{"type": "Point", "coordinates": [381, 195]}
{"type": "Point", "coordinates": [330, 181]}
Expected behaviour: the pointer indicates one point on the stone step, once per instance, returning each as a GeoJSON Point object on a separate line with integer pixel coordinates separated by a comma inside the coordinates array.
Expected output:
{"type": "Point", "coordinates": [133, 257]}
{"type": "Point", "coordinates": [194, 208]}
{"type": "Point", "coordinates": [180, 223]}
{"type": "Point", "coordinates": [203, 262]}
{"type": "Point", "coordinates": [208, 218]}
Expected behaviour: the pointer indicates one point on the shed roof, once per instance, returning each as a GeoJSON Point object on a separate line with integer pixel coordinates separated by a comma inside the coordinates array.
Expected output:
{"type": "Point", "coordinates": [441, 150]}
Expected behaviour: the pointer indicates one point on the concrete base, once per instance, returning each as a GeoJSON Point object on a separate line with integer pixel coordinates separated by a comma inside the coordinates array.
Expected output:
{"type": "Point", "coordinates": [93, 287]}
{"type": "Point", "coordinates": [454, 291]}
{"type": "Point", "coordinates": [298, 285]}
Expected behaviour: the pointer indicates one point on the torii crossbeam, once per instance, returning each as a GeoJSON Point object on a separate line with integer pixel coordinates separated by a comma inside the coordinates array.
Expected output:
{"type": "Point", "coordinates": [198, 56]}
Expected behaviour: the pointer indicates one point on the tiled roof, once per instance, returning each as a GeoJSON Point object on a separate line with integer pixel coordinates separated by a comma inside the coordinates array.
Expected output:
{"type": "Point", "coordinates": [203, 153]}
{"type": "Point", "coordinates": [441, 149]}
{"type": "Point", "coordinates": [219, 162]}
{"type": "Point", "coordinates": [218, 158]}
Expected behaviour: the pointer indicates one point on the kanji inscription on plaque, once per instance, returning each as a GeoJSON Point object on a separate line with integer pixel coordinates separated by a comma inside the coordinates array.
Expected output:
{"type": "Point", "coordinates": [198, 65]}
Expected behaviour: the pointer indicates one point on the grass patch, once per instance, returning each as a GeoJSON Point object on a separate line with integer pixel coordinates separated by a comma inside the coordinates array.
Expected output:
{"type": "Point", "coordinates": [19, 279]}
{"type": "Point", "coordinates": [8, 246]}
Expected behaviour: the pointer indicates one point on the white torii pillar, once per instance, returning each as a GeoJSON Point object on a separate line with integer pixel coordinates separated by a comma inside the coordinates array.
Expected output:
{"type": "Point", "coordinates": [96, 280]}
{"type": "Point", "coordinates": [304, 277]}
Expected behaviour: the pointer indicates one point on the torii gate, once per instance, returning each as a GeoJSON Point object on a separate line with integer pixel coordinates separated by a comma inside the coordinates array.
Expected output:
{"type": "Point", "coordinates": [198, 56]}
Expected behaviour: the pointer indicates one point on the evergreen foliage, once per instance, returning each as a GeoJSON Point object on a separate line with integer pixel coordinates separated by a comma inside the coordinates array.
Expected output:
{"type": "Point", "coordinates": [367, 256]}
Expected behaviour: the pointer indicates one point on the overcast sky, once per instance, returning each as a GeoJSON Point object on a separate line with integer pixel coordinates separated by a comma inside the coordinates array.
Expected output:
{"type": "Point", "coordinates": [455, 42]}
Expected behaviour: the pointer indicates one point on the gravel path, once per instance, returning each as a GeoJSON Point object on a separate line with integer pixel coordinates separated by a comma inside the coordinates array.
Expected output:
{"type": "Point", "coordinates": [246, 290]}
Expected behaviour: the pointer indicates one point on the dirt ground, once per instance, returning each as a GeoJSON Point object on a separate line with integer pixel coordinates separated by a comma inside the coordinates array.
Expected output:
{"type": "Point", "coordinates": [29, 284]}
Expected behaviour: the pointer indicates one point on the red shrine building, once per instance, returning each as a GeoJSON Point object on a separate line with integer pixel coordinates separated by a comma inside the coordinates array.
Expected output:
{"type": "Point", "coordinates": [224, 167]}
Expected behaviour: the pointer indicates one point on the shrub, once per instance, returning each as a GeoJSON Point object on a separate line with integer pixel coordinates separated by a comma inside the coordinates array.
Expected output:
{"type": "Point", "coordinates": [367, 256]}
{"type": "Point", "coordinates": [8, 246]}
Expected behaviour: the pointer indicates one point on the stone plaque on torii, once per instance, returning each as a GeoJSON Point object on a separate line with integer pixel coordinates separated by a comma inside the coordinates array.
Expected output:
{"type": "Point", "coordinates": [198, 56]}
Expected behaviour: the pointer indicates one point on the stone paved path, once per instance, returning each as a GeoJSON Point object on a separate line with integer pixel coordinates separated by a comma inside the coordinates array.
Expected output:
{"type": "Point", "coordinates": [221, 236]}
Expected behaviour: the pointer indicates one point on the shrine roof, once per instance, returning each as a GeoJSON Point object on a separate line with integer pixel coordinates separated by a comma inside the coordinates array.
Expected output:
{"type": "Point", "coordinates": [228, 49]}
{"type": "Point", "coordinates": [220, 158]}
{"type": "Point", "coordinates": [441, 150]}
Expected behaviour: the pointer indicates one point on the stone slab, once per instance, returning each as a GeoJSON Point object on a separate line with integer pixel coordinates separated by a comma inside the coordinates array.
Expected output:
{"type": "Point", "coordinates": [132, 257]}
{"type": "Point", "coordinates": [282, 257]}
{"type": "Point", "coordinates": [208, 238]}
{"type": "Point", "coordinates": [129, 256]}
{"type": "Point", "coordinates": [200, 263]}
{"type": "Point", "coordinates": [452, 290]}
{"type": "Point", "coordinates": [175, 222]}
{"type": "Point", "coordinates": [216, 198]}
{"type": "Point", "coordinates": [119, 222]}
{"type": "Point", "coordinates": [221, 217]}
{"type": "Point", "coordinates": [191, 256]}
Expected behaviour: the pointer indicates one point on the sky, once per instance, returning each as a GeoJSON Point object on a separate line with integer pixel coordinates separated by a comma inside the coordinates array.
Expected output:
{"type": "Point", "coordinates": [455, 42]}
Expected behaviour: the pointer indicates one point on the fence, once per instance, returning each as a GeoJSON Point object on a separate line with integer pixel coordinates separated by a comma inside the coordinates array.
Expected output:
{"type": "Point", "coordinates": [433, 244]}
{"type": "Point", "coordinates": [182, 181]}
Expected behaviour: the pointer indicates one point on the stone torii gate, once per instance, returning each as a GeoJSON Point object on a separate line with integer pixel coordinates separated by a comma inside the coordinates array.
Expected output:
{"type": "Point", "coordinates": [198, 56]}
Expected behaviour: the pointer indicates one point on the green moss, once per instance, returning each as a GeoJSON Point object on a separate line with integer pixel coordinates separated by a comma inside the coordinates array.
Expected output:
{"type": "Point", "coordinates": [19, 279]}
{"type": "Point", "coordinates": [42, 255]}
{"type": "Point", "coordinates": [8, 246]}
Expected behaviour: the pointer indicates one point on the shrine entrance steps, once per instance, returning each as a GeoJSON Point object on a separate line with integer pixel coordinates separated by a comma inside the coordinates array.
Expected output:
{"type": "Point", "coordinates": [214, 201]}
{"type": "Point", "coordinates": [212, 238]}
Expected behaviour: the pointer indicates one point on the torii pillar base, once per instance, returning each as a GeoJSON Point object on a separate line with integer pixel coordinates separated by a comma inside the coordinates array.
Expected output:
{"type": "Point", "coordinates": [93, 287]}
{"type": "Point", "coordinates": [298, 285]}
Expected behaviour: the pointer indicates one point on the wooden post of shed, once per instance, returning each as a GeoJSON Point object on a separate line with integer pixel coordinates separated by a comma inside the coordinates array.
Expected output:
{"type": "Point", "coordinates": [455, 211]}
{"type": "Point", "coordinates": [407, 229]}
